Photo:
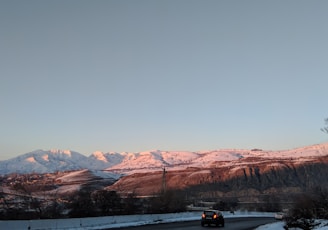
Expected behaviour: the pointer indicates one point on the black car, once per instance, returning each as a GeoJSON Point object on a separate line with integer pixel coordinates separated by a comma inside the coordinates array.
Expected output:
{"type": "Point", "coordinates": [212, 217]}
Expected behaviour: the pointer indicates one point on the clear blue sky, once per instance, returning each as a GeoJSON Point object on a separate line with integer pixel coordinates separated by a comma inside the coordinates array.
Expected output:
{"type": "Point", "coordinates": [170, 75]}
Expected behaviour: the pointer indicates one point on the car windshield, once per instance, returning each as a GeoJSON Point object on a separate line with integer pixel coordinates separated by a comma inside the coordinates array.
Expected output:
{"type": "Point", "coordinates": [208, 213]}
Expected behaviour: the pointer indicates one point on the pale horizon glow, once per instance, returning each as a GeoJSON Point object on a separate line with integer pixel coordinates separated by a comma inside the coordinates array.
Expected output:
{"type": "Point", "coordinates": [133, 76]}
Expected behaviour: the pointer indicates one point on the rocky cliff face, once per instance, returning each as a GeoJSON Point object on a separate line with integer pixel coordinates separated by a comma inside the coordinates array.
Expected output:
{"type": "Point", "coordinates": [246, 179]}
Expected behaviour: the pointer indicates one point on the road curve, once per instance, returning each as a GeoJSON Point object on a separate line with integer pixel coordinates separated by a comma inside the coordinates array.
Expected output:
{"type": "Point", "coordinates": [243, 223]}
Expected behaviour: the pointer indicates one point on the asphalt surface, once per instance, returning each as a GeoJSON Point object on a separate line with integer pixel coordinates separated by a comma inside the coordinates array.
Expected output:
{"type": "Point", "coordinates": [245, 223]}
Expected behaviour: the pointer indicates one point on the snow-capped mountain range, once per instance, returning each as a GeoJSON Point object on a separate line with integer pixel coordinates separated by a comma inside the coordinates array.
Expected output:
{"type": "Point", "coordinates": [41, 161]}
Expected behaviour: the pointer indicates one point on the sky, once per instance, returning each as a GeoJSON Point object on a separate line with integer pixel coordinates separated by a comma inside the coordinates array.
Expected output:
{"type": "Point", "coordinates": [187, 75]}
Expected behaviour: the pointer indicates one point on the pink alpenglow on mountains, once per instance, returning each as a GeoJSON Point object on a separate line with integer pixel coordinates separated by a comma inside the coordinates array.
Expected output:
{"type": "Point", "coordinates": [41, 161]}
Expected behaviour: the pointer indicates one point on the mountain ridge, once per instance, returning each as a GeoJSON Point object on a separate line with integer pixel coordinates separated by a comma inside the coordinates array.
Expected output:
{"type": "Point", "coordinates": [47, 161]}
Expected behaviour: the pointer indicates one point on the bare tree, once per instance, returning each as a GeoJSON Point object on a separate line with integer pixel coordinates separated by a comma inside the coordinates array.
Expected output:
{"type": "Point", "coordinates": [109, 202]}
{"type": "Point", "coordinates": [82, 205]}
{"type": "Point", "coordinates": [308, 207]}
{"type": "Point", "coordinates": [325, 129]}
{"type": "Point", "coordinates": [168, 201]}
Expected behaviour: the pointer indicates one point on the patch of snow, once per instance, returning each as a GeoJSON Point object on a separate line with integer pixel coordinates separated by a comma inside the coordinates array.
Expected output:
{"type": "Point", "coordinates": [66, 189]}
{"type": "Point", "coordinates": [99, 156]}
{"type": "Point", "coordinates": [200, 172]}
{"type": "Point", "coordinates": [45, 158]}
{"type": "Point", "coordinates": [273, 226]}
{"type": "Point", "coordinates": [31, 159]}
{"type": "Point", "coordinates": [105, 174]}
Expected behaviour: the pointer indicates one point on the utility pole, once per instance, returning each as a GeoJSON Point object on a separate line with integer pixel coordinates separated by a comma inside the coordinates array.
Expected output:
{"type": "Point", "coordinates": [164, 181]}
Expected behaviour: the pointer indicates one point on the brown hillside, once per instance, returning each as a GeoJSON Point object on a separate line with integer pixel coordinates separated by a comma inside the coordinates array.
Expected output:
{"type": "Point", "coordinates": [268, 176]}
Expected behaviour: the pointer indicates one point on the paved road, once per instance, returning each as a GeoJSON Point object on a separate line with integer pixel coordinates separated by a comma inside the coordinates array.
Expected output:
{"type": "Point", "coordinates": [245, 223]}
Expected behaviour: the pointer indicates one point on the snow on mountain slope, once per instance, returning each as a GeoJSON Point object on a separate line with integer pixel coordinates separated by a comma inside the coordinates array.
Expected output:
{"type": "Point", "coordinates": [76, 176]}
{"type": "Point", "coordinates": [208, 158]}
{"type": "Point", "coordinates": [100, 160]}
{"type": "Point", "coordinates": [152, 159]}
{"type": "Point", "coordinates": [86, 175]}
{"type": "Point", "coordinates": [177, 158]}
{"type": "Point", "coordinates": [156, 160]}
{"type": "Point", "coordinates": [41, 161]}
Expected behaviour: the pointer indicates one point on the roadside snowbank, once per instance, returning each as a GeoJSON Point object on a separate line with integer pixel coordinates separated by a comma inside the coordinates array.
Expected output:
{"type": "Point", "coordinates": [323, 225]}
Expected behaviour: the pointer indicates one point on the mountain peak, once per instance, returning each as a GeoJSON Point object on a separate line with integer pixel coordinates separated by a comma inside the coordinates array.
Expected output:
{"type": "Point", "coordinates": [99, 156]}
{"type": "Point", "coordinates": [59, 151]}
